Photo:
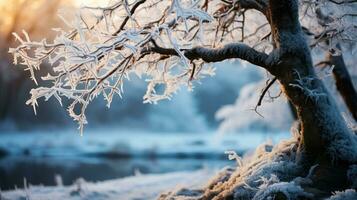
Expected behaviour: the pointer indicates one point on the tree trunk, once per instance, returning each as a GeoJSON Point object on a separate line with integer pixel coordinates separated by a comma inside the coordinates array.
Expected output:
{"type": "Point", "coordinates": [326, 147]}
{"type": "Point", "coordinates": [326, 139]}
{"type": "Point", "coordinates": [343, 80]}
{"type": "Point", "coordinates": [344, 83]}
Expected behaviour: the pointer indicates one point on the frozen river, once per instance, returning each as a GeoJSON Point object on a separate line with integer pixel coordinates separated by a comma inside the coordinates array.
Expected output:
{"type": "Point", "coordinates": [103, 155]}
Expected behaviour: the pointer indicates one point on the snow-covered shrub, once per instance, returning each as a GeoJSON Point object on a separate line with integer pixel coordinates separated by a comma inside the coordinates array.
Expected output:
{"type": "Point", "coordinates": [266, 167]}
{"type": "Point", "coordinates": [344, 195]}
{"type": "Point", "coordinates": [213, 93]}
{"type": "Point", "coordinates": [288, 191]}
{"type": "Point", "coordinates": [273, 114]}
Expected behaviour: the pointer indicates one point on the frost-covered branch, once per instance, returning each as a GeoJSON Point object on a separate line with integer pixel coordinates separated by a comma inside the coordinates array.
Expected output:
{"type": "Point", "coordinates": [104, 46]}
{"type": "Point", "coordinates": [240, 50]}
{"type": "Point", "coordinates": [331, 22]}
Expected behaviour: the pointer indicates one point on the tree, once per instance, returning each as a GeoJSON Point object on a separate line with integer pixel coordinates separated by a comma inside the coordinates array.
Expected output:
{"type": "Point", "coordinates": [20, 14]}
{"type": "Point", "coordinates": [170, 49]}
{"type": "Point", "coordinates": [334, 58]}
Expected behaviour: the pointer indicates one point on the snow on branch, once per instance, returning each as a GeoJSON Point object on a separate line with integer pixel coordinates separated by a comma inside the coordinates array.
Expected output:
{"type": "Point", "coordinates": [229, 51]}
{"type": "Point", "coordinates": [164, 42]}
{"type": "Point", "coordinates": [105, 45]}
{"type": "Point", "coordinates": [330, 23]}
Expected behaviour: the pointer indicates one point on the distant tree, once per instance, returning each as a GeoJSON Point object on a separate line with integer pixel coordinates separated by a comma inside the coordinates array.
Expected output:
{"type": "Point", "coordinates": [16, 16]}
{"type": "Point", "coordinates": [335, 59]}
{"type": "Point", "coordinates": [106, 44]}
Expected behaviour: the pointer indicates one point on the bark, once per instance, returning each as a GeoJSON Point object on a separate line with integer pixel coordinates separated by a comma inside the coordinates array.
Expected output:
{"type": "Point", "coordinates": [343, 80]}
{"type": "Point", "coordinates": [293, 111]}
{"type": "Point", "coordinates": [316, 109]}
{"type": "Point", "coordinates": [344, 83]}
{"type": "Point", "coordinates": [326, 139]}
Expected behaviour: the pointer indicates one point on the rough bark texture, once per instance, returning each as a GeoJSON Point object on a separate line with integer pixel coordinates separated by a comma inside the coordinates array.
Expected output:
{"type": "Point", "coordinates": [325, 136]}
{"type": "Point", "coordinates": [343, 80]}
{"type": "Point", "coordinates": [321, 122]}
{"type": "Point", "coordinates": [344, 83]}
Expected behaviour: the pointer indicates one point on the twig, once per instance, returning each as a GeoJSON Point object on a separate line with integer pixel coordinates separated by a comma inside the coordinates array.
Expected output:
{"type": "Point", "coordinates": [265, 90]}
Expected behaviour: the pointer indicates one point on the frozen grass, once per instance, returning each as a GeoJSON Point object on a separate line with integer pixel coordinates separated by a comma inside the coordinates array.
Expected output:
{"type": "Point", "coordinates": [271, 172]}
{"type": "Point", "coordinates": [138, 187]}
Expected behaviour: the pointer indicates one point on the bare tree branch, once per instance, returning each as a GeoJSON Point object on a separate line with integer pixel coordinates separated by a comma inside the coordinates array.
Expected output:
{"type": "Point", "coordinates": [342, 1]}
{"type": "Point", "coordinates": [265, 90]}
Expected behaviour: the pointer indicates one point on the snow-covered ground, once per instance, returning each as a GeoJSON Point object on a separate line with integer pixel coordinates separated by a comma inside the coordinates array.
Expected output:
{"type": "Point", "coordinates": [139, 187]}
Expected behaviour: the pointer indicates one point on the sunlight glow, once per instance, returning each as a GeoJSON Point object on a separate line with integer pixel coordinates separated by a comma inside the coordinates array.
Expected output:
{"type": "Point", "coordinates": [11, 12]}
{"type": "Point", "coordinates": [92, 2]}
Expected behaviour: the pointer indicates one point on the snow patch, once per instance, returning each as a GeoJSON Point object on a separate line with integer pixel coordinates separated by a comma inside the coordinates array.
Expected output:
{"type": "Point", "coordinates": [344, 195]}
{"type": "Point", "coordinates": [137, 187]}
{"type": "Point", "coordinates": [274, 115]}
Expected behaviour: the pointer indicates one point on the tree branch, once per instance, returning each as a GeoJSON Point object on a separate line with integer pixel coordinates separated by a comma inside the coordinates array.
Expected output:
{"type": "Point", "coordinates": [260, 5]}
{"type": "Point", "coordinates": [234, 50]}
{"type": "Point", "coordinates": [132, 11]}
{"type": "Point", "coordinates": [342, 2]}
{"type": "Point", "coordinates": [344, 82]}
{"type": "Point", "coordinates": [265, 90]}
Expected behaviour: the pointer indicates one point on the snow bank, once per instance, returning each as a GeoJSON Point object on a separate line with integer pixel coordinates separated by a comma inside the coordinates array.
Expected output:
{"type": "Point", "coordinates": [140, 187]}
{"type": "Point", "coordinates": [271, 172]}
